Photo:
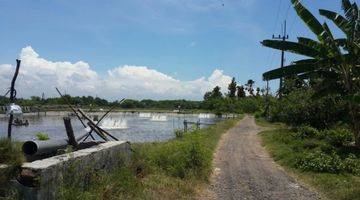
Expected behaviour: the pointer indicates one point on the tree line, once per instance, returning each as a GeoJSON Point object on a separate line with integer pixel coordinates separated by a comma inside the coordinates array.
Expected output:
{"type": "Point", "coordinates": [89, 101]}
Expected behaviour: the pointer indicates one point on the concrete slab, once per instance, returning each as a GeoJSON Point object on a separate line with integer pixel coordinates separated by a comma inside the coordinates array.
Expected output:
{"type": "Point", "coordinates": [40, 179]}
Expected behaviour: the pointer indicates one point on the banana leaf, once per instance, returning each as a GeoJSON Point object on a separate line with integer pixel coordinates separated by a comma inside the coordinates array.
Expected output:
{"type": "Point", "coordinates": [288, 71]}
{"type": "Point", "coordinates": [292, 47]}
{"type": "Point", "coordinates": [309, 20]}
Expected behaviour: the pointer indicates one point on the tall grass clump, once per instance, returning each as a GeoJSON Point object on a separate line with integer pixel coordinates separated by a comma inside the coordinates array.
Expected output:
{"type": "Point", "coordinates": [42, 136]}
{"type": "Point", "coordinates": [12, 157]}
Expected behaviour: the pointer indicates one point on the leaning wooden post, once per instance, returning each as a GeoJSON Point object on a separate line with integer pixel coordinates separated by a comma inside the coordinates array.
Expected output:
{"type": "Point", "coordinates": [70, 132]}
{"type": "Point", "coordinates": [13, 95]}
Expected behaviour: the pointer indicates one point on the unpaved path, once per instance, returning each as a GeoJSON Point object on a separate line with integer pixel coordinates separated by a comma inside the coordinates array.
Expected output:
{"type": "Point", "coordinates": [244, 170]}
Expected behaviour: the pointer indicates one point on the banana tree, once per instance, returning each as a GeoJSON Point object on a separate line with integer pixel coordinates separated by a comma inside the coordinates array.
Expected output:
{"type": "Point", "coordinates": [333, 62]}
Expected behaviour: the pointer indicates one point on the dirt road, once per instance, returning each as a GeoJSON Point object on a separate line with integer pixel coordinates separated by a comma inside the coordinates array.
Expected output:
{"type": "Point", "coordinates": [244, 170]}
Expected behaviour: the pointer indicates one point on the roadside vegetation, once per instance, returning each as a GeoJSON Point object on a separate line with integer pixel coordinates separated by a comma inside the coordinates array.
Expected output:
{"type": "Point", "coordinates": [11, 159]}
{"type": "Point", "coordinates": [162, 170]}
{"type": "Point", "coordinates": [319, 103]}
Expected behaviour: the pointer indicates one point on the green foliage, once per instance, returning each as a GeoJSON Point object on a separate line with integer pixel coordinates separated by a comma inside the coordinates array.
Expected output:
{"type": "Point", "coordinates": [333, 170]}
{"type": "Point", "coordinates": [308, 149]}
{"type": "Point", "coordinates": [179, 133]}
{"type": "Point", "coordinates": [249, 105]}
{"type": "Point", "coordinates": [321, 162]}
{"type": "Point", "coordinates": [338, 137]}
{"type": "Point", "coordinates": [232, 89]}
{"type": "Point", "coordinates": [299, 107]}
{"type": "Point", "coordinates": [333, 64]}
{"type": "Point", "coordinates": [10, 152]}
{"type": "Point", "coordinates": [11, 155]}
{"type": "Point", "coordinates": [306, 132]}
{"type": "Point", "coordinates": [97, 102]}
{"type": "Point", "coordinates": [240, 92]}
{"type": "Point", "coordinates": [42, 136]}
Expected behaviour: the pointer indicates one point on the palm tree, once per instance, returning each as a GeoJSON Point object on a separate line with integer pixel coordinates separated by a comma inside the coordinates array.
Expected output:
{"type": "Point", "coordinates": [333, 62]}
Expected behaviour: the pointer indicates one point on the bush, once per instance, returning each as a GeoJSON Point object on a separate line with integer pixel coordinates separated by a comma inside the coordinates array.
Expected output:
{"type": "Point", "coordinates": [352, 164]}
{"type": "Point", "coordinates": [42, 136]}
{"type": "Point", "coordinates": [248, 105]}
{"type": "Point", "coordinates": [321, 162]}
{"type": "Point", "coordinates": [305, 131]}
{"type": "Point", "coordinates": [300, 107]}
{"type": "Point", "coordinates": [338, 137]}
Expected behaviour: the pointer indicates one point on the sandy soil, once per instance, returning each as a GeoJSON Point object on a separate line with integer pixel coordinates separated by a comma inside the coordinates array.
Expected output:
{"type": "Point", "coordinates": [244, 169]}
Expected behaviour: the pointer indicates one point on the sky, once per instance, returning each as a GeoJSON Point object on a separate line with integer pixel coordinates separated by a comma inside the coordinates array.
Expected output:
{"type": "Point", "coordinates": [159, 49]}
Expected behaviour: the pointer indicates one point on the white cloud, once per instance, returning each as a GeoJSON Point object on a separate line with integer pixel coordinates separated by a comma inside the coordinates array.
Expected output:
{"type": "Point", "coordinates": [39, 75]}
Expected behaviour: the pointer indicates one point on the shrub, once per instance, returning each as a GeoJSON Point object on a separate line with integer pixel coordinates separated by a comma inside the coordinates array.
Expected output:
{"type": "Point", "coordinates": [337, 137]}
{"type": "Point", "coordinates": [299, 107]}
{"type": "Point", "coordinates": [352, 164]}
{"type": "Point", "coordinates": [42, 136]}
{"type": "Point", "coordinates": [321, 162]}
{"type": "Point", "coordinates": [305, 131]}
{"type": "Point", "coordinates": [248, 105]}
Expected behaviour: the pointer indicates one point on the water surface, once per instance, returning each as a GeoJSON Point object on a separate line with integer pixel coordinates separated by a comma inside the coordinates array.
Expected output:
{"type": "Point", "coordinates": [133, 127]}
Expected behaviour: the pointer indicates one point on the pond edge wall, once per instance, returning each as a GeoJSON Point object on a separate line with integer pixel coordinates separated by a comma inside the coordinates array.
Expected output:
{"type": "Point", "coordinates": [41, 179]}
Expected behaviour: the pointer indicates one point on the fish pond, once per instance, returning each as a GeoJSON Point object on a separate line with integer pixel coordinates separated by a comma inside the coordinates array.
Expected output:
{"type": "Point", "coordinates": [127, 126]}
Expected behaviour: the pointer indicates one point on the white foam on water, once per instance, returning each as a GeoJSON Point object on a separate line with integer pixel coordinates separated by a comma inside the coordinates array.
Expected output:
{"type": "Point", "coordinates": [145, 115]}
{"type": "Point", "coordinates": [159, 118]}
{"type": "Point", "coordinates": [111, 124]}
{"type": "Point", "coordinates": [206, 115]}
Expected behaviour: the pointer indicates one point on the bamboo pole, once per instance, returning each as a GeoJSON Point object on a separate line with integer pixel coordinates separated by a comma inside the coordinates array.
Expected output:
{"type": "Point", "coordinates": [73, 109]}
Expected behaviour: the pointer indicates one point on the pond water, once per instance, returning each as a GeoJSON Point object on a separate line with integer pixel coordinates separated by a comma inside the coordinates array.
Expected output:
{"type": "Point", "coordinates": [133, 127]}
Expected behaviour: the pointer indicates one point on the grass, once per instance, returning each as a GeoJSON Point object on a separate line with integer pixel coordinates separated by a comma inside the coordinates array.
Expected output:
{"type": "Point", "coordinates": [10, 155]}
{"type": "Point", "coordinates": [288, 150]}
{"type": "Point", "coordinates": [175, 169]}
{"type": "Point", "coordinates": [42, 136]}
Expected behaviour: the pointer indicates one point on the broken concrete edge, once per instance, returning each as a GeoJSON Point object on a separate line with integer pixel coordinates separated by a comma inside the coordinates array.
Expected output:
{"type": "Point", "coordinates": [46, 174]}
{"type": "Point", "coordinates": [48, 162]}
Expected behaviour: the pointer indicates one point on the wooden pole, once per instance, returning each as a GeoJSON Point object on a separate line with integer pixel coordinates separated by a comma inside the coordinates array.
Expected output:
{"type": "Point", "coordinates": [102, 117]}
{"type": "Point", "coordinates": [13, 95]}
{"type": "Point", "coordinates": [94, 125]}
{"type": "Point", "coordinates": [70, 132]}
{"type": "Point", "coordinates": [73, 109]}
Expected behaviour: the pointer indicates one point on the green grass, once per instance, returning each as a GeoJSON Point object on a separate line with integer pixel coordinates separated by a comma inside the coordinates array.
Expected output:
{"type": "Point", "coordinates": [10, 155]}
{"type": "Point", "coordinates": [175, 169]}
{"type": "Point", "coordinates": [42, 136]}
{"type": "Point", "coordinates": [287, 150]}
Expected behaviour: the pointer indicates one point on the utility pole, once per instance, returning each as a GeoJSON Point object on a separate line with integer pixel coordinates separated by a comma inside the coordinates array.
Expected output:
{"type": "Point", "coordinates": [283, 37]}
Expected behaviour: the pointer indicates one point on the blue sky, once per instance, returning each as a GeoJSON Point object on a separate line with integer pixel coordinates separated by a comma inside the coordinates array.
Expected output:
{"type": "Point", "coordinates": [183, 39]}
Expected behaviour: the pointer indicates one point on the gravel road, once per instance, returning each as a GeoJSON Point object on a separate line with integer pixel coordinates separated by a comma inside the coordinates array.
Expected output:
{"type": "Point", "coordinates": [244, 169]}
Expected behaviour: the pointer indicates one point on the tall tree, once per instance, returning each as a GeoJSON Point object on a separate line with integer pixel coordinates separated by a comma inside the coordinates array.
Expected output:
{"type": "Point", "coordinates": [240, 92]}
{"type": "Point", "coordinates": [207, 96]}
{"type": "Point", "coordinates": [249, 87]}
{"type": "Point", "coordinates": [232, 88]}
{"type": "Point", "coordinates": [333, 62]}
{"type": "Point", "coordinates": [216, 93]}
